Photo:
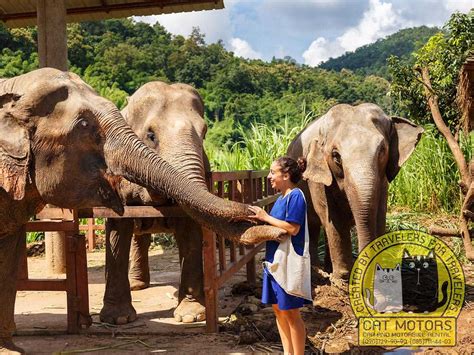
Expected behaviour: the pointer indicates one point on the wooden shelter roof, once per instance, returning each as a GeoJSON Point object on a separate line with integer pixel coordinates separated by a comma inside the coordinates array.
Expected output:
{"type": "Point", "coordinates": [21, 13]}
{"type": "Point", "coordinates": [466, 93]}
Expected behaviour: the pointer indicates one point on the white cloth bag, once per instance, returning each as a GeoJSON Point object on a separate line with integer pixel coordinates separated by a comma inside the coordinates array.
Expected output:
{"type": "Point", "coordinates": [291, 270]}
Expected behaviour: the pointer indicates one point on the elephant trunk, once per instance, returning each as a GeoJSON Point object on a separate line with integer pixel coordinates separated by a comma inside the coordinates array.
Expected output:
{"type": "Point", "coordinates": [129, 157]}
{"type": "Point", "coordinates": [187, 158]}
{"type": "Point", "coordinates": [363, 196]}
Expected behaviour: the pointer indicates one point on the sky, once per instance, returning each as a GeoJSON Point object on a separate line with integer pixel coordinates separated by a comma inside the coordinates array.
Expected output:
{"type": "Point", "coordinates": [310, 31]}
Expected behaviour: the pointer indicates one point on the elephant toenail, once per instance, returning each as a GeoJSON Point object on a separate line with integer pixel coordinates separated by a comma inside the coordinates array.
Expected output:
{"type": "Point", "coordinates": [188, 318]}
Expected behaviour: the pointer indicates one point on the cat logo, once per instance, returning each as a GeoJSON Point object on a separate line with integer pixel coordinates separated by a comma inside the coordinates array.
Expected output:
{"type": "Point", "coordinates": [407, 289]}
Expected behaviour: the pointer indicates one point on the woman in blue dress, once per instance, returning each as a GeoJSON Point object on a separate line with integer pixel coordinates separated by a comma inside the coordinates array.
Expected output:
{"type": "Point", "coordinates": [289, 213]}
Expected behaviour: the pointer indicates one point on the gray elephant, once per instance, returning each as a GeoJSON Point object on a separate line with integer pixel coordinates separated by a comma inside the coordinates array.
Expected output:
{"type": "Point", "coordinates": [61, 143]}
{"type": "Point", "coordinates": [169, 119]}
{"type": "Point", "coordinates": [352, 152]}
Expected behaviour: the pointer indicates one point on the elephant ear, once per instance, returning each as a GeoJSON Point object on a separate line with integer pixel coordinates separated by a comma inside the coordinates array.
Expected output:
{"type": "Point", "coordinates": [317, 169]}
{"type": "Point", "coordinates": [14, 149]}
{"type": "Point", "coordinates": [404, 137]}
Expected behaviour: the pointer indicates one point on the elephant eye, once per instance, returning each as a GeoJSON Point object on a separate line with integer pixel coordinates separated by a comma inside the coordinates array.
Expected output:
{"type": "Point", "coordinates": [82, 123]}
{"type": "Point", "coordinates": [151, 136]}
{"type": "Point", "coordinates": [336, 157]}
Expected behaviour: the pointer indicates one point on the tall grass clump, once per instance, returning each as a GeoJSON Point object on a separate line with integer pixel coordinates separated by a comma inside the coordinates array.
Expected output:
{"type": "Point", "coordinates": [428, 181]}
{"type": "Point", "coordinates": [259, 146]}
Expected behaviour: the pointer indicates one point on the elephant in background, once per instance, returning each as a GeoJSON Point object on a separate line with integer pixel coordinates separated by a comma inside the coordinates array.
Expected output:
{"type": "Point", "coordinates": [169, 119]}
{"type": "Point", "coordinates": [352, 153]}
{"type": "Point", "coordinates": [62, 144]}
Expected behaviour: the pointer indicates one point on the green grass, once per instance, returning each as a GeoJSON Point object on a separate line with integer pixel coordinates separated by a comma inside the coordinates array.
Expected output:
{"type": "Point", "coordinates": [428, 181]}
{"type": "Point", "coordinates": [260, 145]}
{"type": "Point", "coordinates": [32, 237]}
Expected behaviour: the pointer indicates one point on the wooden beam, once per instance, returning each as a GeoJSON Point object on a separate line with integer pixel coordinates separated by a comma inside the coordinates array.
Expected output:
{"type": "Point", "coordinates": [133, 212]}
{"type": "Point", "coordinates": [49, 226]}
{"type": "Point", "coordinates": [234, 267]}
{"type": "Point", "coordinates": [109, 8]}
{"type": "Point", "coordinates": [41, 285]}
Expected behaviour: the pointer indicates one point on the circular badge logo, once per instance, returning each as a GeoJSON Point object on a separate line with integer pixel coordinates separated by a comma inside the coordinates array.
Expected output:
{"type": "Point", "coordinates": [407, 288]}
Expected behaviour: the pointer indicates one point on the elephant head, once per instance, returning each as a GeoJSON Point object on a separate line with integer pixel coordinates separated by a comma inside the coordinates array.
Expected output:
{"type": "Point", "coordinates": [170, 120]}
{"type": "Point", "coordinates": [63, 144]}
{"type": "Point", "coordinates": [355, 152]}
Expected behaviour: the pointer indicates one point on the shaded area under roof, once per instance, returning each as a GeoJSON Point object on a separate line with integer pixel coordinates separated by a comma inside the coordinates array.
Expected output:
{"type": "Point", "coordinates": [21, 13]}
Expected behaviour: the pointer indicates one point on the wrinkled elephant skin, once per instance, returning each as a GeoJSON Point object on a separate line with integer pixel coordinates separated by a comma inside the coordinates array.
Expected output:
{"type": "Point", "coordinates": [169, 119]}
{"type": "Point", "coordinates": [352, 152]}
{"type": "Point", "coordinates": [61, 143]}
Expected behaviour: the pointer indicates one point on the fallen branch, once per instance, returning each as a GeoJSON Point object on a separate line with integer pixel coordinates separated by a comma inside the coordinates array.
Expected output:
{"type": "Point", "coordinates": [78, 351]}
{"type": "Point", "coordinates": [339, 283]}
{"type": "Point", "coordinates": [444, 232]}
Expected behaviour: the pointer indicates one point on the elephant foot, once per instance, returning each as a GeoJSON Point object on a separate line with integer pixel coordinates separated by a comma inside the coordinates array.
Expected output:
{"type": "Point", "coordinates": [8, 347]}
{"type": "Point", "coordinates": [118, 313]}
{"type": "Point", "coordinates": [136, 285]}
{"type": "Point", "coordinates": [189, 310]}
{"type": "Point", "coordinates": [342, 275]}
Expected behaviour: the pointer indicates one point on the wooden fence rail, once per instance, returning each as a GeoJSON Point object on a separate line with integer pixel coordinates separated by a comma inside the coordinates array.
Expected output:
{"type": "Point", "coordinates": [247, 186]}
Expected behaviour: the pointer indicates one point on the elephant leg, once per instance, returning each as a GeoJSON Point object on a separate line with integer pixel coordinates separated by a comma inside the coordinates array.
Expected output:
{"type": "Point", "coordinates": [381, 211]}
{"type": "Point", "coordinates": [139, 273]}
{"type": "Point", "coordinates": [327, 257]}
{"type": "Point", "coordinates": [340, 249]}
{"type": "Point", "coordinates": [117, 307]}
{"type": "Point", "coordinates": [314, 225]}
{"type": "Point", "coordinates": [10, 249]}
{"type": "Point", "coordinates": [314, 240]}
{"type": "Point", "coordinates": [191, 306]}
{"type": "Point", "coordinates": [337, 225]}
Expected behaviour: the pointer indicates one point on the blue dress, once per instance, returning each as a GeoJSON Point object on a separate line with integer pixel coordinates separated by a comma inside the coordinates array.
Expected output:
{"type": "Point", "coordinates": [272, 293]}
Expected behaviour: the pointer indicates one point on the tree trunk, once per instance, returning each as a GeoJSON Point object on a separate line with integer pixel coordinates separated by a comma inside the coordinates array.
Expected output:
{"type": "Point", "coordinates": [466, 180]}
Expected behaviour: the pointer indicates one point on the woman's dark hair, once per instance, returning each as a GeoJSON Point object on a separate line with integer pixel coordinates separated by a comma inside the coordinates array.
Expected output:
{"type": "Point", "coordinates": [294, 168]}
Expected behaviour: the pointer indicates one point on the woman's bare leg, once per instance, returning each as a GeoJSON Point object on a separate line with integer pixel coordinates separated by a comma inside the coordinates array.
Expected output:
{"type": "Point", "coordinates": [297, 330]}
{"type": "Point", "coordinates": [283, 329]}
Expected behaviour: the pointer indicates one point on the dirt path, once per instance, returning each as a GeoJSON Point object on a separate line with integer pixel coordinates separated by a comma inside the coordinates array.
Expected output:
{"type": "Point", "coordinates": [248, 328]}
{"type": "Point", "coordinates": [45, 313]}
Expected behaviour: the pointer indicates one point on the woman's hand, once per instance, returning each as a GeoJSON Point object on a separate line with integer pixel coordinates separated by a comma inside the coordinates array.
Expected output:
{"type": "Point", "coordinates": [260, 213]}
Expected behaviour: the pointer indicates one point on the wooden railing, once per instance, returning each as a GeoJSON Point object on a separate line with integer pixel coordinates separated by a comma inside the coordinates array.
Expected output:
{"type": "Point", "coordinates": [250, 187]}
{"type": "Point", "coordinates": [76, 282]}
{"type": "Point", "coordinates": [221, 258]}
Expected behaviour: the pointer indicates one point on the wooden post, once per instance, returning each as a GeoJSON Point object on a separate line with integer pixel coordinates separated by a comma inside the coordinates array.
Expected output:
{"type": "Point", "coordinates": [82, 283]}
{"type": "Point", "coordinates": [55, 251]}
{"type": "Point", "coordinates": [91, 234]}
{"type": "Point", "coordinates": [52, 37]}
{"type": "Point", "coordinates": [71, 282]}
{"type": "Point", "coordinates": [250, 198]}
{"type": "Point", "coordinates": [23, 262]}
{"type": "Point", "coordinates": [210, 284]}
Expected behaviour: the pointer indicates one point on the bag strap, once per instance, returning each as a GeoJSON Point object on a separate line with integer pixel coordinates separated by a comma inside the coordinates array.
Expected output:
{"type": "Point", "coordinates": [306, 231]}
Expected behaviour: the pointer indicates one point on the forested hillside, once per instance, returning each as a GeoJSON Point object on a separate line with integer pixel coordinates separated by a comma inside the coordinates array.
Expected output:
{"type": "Point", "coordinates": [118, 56]}
{"type": "Point", "coordinates": [255, 108]}
{"type": "Point", "coordinates": [372, 58]}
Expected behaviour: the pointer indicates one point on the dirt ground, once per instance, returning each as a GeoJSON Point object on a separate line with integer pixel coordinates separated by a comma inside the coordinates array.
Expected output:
{"type": "Point", "coordinates": [245, 325]}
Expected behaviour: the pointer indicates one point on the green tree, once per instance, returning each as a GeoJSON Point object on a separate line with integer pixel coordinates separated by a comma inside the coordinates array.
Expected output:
{"type": "Point", "coordinates": [433, 81]}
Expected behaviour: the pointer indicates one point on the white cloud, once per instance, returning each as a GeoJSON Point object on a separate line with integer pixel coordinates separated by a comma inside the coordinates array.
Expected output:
{"type": "Point", "coordinates": [458, 5]}
{"type": "Point", "coordinates": [215, 24]}
{"type": "Point", "coordinates": [321, 50]}
{"type": "Point", "coordinates": [243, 49]}
{"type": "Point", "coordinates": [378, 21]}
